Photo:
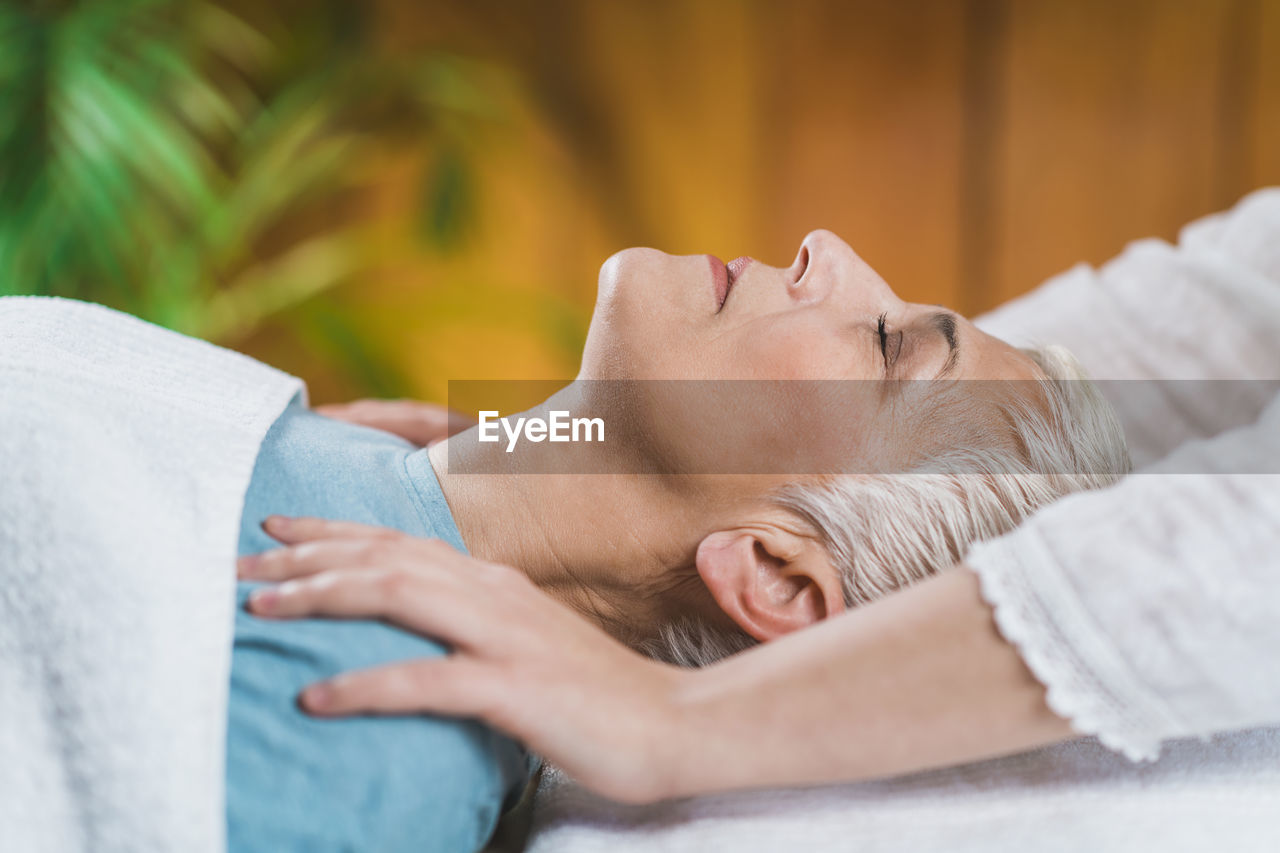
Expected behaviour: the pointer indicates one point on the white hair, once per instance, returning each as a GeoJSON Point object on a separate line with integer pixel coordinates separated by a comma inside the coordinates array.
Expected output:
{"type": "Point", "coordinates": [886, 531]}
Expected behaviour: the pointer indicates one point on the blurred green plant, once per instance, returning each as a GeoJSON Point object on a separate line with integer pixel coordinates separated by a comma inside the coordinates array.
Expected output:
{"type": "Point", "coordinates": [168, 158]}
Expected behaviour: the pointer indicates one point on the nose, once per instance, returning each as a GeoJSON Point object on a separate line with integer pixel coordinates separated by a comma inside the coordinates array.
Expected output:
{"type": "Point", "coordinates": [814, 275]}
{"type": "Point", "coordinates": [826, 268]}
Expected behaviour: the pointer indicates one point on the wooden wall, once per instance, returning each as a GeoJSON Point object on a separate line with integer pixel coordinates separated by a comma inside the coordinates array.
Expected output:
{"type": "Point", "coordinates": [967, 148]}
{"type": "Point", "coordinates": [1118, 120]}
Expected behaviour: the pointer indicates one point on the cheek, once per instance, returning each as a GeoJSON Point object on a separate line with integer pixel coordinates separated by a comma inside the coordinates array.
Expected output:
{"type": "Point", "coordinates": [795, 352]}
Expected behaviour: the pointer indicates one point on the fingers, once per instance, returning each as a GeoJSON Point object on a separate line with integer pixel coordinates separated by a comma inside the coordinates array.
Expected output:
{"type": "Point", "coordinates": [417, 594]}
{"type": "Point", "coordinates": [334, 592]}
{"type": "Point", "coordinates": [284, 563]}
{"type": "Point", "coordinates": [291, 531]}
{"type": "Point", "coordinates": [308, 558]}
{"type": "Point", "coordinates": [349, 412]}
{"type": "Point", "coordinates": [319, 546]}
{"type": "Point", "coordinates": [420, 423]}
{"type": "Point", "coordinates": [445, 685]}
{"type": "Point", "coordinates": [385, 414]}
{"type": "Point", "coordinates": [457, 422]}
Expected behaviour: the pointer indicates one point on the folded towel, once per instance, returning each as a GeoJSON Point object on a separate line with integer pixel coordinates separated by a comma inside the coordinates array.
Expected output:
{"type": "Point", "coordinates": [125, 451]}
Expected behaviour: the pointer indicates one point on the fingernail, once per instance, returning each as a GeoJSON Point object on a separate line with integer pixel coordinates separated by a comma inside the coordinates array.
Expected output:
{"type": "Point", "coordinates": [265, 599]}
{"type": "Point", "coordinates": [317, 697]}
{"type": "Point", "coordinates": [276, 522]}
{"type": "Point", "coordinates": [246, 566]}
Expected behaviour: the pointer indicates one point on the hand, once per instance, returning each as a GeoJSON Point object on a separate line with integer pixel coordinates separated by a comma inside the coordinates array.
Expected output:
{"type": "Point", "coordinates": [521, 661]}
{"type": "Point", "coordinates": [421, 423]}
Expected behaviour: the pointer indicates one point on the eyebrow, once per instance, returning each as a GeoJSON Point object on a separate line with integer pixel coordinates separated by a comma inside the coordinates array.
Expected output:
{"type": "Point", "coordinates": [944, 322]}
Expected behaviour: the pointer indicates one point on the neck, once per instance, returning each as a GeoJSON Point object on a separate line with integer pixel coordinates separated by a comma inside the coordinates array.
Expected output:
{"type": "Point", "coordinates": [609, 545]}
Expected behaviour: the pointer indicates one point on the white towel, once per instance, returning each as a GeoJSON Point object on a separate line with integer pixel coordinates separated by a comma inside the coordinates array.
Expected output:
{"type": "Point", "coordinates": [125, 452]}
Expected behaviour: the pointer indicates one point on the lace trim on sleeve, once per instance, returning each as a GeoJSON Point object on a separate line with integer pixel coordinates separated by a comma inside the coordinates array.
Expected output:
{"type": "Point", "coordinates": [1087, 683]}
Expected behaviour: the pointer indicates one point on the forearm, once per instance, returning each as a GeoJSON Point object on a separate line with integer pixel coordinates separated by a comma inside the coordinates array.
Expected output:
{"type": "Point", "coordinates": [917, 680]}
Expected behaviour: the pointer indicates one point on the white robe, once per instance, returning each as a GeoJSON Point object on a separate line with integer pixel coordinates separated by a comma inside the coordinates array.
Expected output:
{"type": "Point", "coordinates": [1151, 610]}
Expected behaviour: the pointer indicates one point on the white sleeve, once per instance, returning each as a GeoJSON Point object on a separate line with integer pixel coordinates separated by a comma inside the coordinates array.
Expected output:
{"type": "Point", "coordinates": [1151, 610]}
{"type": "Point", "coordinates": [1207, 308]}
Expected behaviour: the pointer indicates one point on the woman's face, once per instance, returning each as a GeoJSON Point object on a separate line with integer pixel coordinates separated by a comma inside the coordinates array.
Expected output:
{"type": "Point", "coordinates": [827, 316]}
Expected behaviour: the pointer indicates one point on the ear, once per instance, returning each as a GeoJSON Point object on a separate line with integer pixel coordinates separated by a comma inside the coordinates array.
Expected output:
{"type": "Point", "coordinates": [769, 581]}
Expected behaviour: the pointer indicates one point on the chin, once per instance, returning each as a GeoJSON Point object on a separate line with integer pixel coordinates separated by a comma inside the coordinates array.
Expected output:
{"type": "Point", "coordinates": [636, 272]}
{"type": "Point", "coordinates": [612, 271]}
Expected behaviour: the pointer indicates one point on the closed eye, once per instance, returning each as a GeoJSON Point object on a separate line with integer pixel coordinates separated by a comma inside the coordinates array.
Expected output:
{"type": "Point", "coordinates": [890, 343]}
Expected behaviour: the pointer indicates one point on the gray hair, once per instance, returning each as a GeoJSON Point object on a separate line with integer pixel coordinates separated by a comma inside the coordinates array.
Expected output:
{"type": "Point", "coordinates": [888, 531]}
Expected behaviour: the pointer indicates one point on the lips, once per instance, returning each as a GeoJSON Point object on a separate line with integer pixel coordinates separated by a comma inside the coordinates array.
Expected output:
{"type": "Point", "coordinates": [724, 276]}
{"type": "Point", "coordinates": [719, 280]}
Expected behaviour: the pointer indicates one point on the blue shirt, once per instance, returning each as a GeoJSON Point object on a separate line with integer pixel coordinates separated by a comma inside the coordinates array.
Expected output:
{"type": "Point", "coordinates": [386, 784]}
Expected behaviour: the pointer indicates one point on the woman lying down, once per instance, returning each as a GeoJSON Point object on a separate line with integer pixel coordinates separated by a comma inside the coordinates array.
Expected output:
{"type": "Point", "coordinates": [686, 566]}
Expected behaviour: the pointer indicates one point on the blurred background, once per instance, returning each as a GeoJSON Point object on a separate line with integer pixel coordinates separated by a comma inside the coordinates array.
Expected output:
{"type": "Point", "coordinates": [382, 195]}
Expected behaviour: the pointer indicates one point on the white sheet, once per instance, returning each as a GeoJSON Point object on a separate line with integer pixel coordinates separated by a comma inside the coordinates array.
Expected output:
{"type": "Point", "coordinates": [1223, 795]}
{"type": "Point", "coordinates": [125, 452]}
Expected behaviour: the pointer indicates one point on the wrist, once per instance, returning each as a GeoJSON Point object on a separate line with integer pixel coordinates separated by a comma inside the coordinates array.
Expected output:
{"type": "Point", "coordinates": [674, 752]}
{"type": "Point", "coordinates": [702, 746]}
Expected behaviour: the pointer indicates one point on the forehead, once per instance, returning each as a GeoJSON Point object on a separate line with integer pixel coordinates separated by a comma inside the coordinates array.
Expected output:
{"type": "Point", "coordinates": [991, 358]}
